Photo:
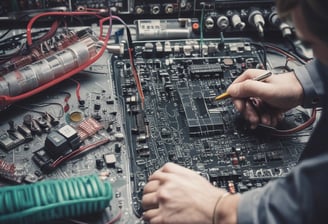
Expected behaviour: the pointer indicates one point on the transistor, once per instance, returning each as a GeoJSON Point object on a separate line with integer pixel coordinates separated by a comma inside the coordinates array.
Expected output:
{"type": "Point", "coordinates": [10, 140]}
{"type": "Point", "coordinates": [57, 143]}
{"type": "Point", "coordinates": [61, 142]}
{"type": "Point", "coordinates": [99, 164]}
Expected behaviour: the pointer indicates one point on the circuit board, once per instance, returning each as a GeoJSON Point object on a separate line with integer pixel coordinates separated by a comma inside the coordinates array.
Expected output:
{"type": "Point", "coordinates": [177, 121]}
{"type": "Point", "coordinates": [88, 96]}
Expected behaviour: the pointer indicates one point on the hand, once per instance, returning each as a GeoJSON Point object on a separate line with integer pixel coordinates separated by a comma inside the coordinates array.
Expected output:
{"type": "Point", "coordinates": [175, 194]}
{"type": "Point", "coordinates": [266, 101]}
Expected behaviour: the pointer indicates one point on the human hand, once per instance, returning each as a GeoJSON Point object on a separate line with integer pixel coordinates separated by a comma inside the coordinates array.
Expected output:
{"type": "Point", "coordinates": [266, 101]}
{"type": "Point", "coordinates": [175, 194]}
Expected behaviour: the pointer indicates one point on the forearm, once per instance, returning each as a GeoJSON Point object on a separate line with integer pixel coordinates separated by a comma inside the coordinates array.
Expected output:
{"type": "Point", "coordinates": [312, 83]}
{"type": "Point", "coordinates": [226, 210]}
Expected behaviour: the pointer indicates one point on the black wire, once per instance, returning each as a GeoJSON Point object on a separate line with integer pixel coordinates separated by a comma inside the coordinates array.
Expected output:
{"type": "Point", "coordinates": [129, 36]}
{"type": "Point", "coordinates": [18, 19]}
{"type": "Point", "coordinates": [261, 47]}
{"type": "Point", "coordinates": [27, 108]}
{"type": "Point", "coordinates": [296, 51]}
{"type": "Point", "coordinates": [299, 59]}
{"type": "Point", "coordinates": [19, 37]}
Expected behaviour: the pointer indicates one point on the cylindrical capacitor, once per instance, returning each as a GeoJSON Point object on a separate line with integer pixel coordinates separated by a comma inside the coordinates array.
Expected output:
{"type": "Point", "coordinates": [38, 73]}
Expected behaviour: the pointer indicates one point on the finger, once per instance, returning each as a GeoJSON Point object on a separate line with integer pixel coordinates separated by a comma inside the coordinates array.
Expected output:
{"type": "Point", "coordinates": [276, 117]}
{"type": "Point", "coordinates": [149, 201]}
{"type": "Point", "coordinates": [268, 115]}
{"type": "Point", "coordinates": [267, 119]}
{"type": "Point", "coordinates": [169, 170]}
{"type": "Point", "coordinates": [174, 168]}
{"type": "Point", "coordinates": [262, 111]}
{"type": "Point", "coordinates": [158, 220]}
{"type": "Point", "coordinates": [274, 121]}
{"type": "Point", "coordinates": [151, 186]}
{"type": "Point", "coordinates": [239, 104]}
{"type": "Point", "coordinates": [160, 176]}
{"type": "Point", "coordinates": [251, 115]}
{"type": "Point", "coordinates": [151, 214]}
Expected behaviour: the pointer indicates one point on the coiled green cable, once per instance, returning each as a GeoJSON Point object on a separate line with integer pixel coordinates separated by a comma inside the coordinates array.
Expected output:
{"type": "Point", "coordinates": [53, 199]}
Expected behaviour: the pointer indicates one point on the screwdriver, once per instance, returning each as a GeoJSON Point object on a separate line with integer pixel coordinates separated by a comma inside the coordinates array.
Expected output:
{"type": "Point", "coordinates": [258, 78]}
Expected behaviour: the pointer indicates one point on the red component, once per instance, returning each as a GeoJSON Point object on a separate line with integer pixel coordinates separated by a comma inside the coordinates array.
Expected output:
{"type": "Point", "coordinates": [234, 161]}
{"type": "Point", "coordinates": [88, 128]}
{"type": "Point", "coordinates": [231, 187]}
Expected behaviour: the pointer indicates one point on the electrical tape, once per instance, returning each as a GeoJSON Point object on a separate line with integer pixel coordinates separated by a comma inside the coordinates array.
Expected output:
{"type": "Point", "coordinates": [53, 199]}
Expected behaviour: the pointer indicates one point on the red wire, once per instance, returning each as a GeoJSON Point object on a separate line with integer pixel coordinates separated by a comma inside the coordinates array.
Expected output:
{"type": "Point", "coordinates": [101, 22]}
{"type": "Point", "coordinates": [136, 78]}
{"type": "Point", "coordinates": [310, 121]}
{"type": "Point", "coordinates": [67, 97]}
{"type": "Point", "coordinates": [116, 218]}
{"type": "Point", "coordinates": [92, 10]}
{"type": "Point", "coordinates": [51, 32]}
{"type": "Point", "coordinates": [77, 91]}
{"type": "Point", "coordinates": [78, 152]}
{"type": "Point", "coordinates": [30, 23]}
{"type": "Point", "coordinates": [6, 100]}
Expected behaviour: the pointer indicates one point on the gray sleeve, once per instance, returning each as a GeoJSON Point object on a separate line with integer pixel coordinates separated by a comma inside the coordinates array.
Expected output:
{"type": "Point", "coordinates": [300, 197]}
{"type": "Point", "coordinates": [310, 77]}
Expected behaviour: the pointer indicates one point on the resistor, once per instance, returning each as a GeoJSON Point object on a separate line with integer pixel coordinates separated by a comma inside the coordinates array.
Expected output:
{"type": "Point", "coordinates": [7, 168]}
{"type": "Point", "coordinates": [231, 187]}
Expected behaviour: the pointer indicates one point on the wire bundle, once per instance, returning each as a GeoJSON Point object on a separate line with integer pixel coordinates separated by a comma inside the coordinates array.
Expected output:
{"type": "Point", "coordinates": [53, 199]}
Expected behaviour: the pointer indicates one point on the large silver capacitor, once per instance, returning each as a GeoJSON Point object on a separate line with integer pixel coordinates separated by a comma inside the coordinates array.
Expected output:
{"type": "Point", "coordinates": [38, 73]}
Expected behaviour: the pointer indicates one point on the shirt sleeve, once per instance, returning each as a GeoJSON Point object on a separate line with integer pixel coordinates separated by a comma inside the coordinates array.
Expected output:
{"type": "Point", "coordinates": [300, 197]}
{"type": "Point", "coordinates": [311, 79]}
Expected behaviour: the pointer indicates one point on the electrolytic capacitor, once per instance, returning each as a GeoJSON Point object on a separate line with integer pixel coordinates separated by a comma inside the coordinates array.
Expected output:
{"type": "Point", "coordinates": [43, 71]}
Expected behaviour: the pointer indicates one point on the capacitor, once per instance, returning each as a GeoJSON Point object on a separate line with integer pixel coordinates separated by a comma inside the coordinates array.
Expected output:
{"type": "Point", "coordinates": [76, 116]}
{"type": "Point", "coordinates": [43, 71]}
{"type": "Point", "coordinates": [163, 28]}
{"type": "Point", "coordinates": [117, 148]}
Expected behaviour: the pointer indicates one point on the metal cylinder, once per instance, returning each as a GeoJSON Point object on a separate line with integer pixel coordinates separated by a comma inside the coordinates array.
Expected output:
{"type": "Point", "coordinates": [38, 73]}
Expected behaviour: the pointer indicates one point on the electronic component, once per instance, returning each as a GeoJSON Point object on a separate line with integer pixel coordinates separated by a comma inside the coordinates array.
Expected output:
{"type": "Point", "coordinates": [39, 75]}
{"type": "Point", "coordinates": [61, 141]}
{"type": "Point", "coordinates": [274, 19]}
{"type": "Point", "coordinates": [58, 143]}
{"type": "Point", "coordinates": [10, 140]}
{"type": "Point", "coordinates": [70, 197]}
{"type": "Point", "coordinates": [236, 21]}
{"type": "Point", "coordinates": [256, 19]}
{"type": "Point", "coordinates": [43, 71]}
{"type": "Point", "coordinates": [8, 171]}
{"type": "Point", "coordinates": [88, 127]}
{"type": "Point", "coordinates": [65, 143]}
{"type": "Point", "coordinates": [110, 160]}
{"type": "Point", "coordinates": [164, 29]}
{"type": "Point", "coordinates": [36, 52]}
